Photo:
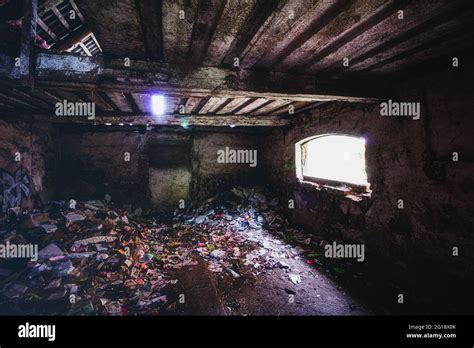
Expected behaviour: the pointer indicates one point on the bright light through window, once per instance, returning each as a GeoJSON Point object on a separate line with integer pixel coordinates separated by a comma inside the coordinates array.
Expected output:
{"type": "Point", "coordinates": [334, 157]}
{"type": "Point", "coordinates": [158, 104]}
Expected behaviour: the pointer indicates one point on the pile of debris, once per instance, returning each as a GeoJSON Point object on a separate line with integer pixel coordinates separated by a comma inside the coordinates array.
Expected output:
{"type": "Point", "coordinates": [95, 258]}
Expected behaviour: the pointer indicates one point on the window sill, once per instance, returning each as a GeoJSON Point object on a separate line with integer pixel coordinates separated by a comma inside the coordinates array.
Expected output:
{"type": "Point", "coordinates": [341, 190]}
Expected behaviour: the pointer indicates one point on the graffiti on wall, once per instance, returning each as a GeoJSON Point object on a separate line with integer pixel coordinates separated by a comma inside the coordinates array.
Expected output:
{"type": "Point", "coordinates": [13, 188]}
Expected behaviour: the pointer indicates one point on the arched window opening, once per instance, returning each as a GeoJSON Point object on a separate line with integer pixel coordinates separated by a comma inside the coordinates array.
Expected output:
{"type": "Point", "coordinates": [332, 159]}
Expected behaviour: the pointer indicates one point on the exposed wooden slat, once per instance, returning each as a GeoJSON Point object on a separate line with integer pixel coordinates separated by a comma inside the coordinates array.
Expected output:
{"type": "Point", "coordinates": [14, 100]}
{"type": "Point", "coordinates": [35, 93]}
{"type": "Point", "coordinates": [31, 99]}
{"type": "Point", "coordinates": [211, 105]}
{"type": "Point", "coordinates": [233, 105]}
{"type": "Point", "coordinates": [85, 49]}
{"type": "Point", "coordinates": [201, 104]}
{"type": "Point", "coordinates": [47, 29]}
{"type": "Point", "coordinates": [248, 109]}
{"type": "Point", "coordinates": [99, 101]}
{"type": "Point", "coordinates": [118, 99]}
{"type": "Point", "coordinates": [53, 95]}
{"type": "Point", "coordinates": [104, 96]}
{"type": "Point", "coordinates": [61, 18]}
{"type": "Point", "coordinates": [299, 107]}
{"type": "Point", "coordinates": [223, 105]}
{"type": "Point", "coordinates": [9, 103]}
{"type": "Point", "coordinates": [131, 102]}
{"type": "Point", "coordinates": [143, 101]}
{"type": "Point", "coordinates": [46, 6]}
{"type": "Point", "coordinates": [285, 109]}
{"type": "Point", "coordinates": [273, 106]}
{"type": "Point", "coordinates": [191, 104]}
{"type": "Point", "coordinates": [76, 9]}
{"type": "Point", "coordinates": [77, 96]}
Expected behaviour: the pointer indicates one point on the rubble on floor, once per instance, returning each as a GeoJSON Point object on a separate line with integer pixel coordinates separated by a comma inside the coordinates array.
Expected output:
{"type": "Point", "coordinates": [101, 259]}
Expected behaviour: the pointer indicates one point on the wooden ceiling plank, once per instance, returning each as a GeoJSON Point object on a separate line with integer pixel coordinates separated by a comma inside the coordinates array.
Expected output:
{"type": "Point", "coordinates": [293, 25]}
{"type": "Point", "coordinates": [151, 23]}
{"type": "Point", "coordinates": [353, 21]}
{"type": "Point", "coordinates": [370, 44]}
{"type": "Point", "coordinates": [434, 36]}
{"type": "Point", "coordinates": [208, 15]}
{"type": "Point", "coordinates": [262, 13]}
{"type": "Point", "coordinates": [249, 109]}
{"type": "Point", "coordinates": [178, 19]}
{"type": "Point", "coordinates": [233, 19]}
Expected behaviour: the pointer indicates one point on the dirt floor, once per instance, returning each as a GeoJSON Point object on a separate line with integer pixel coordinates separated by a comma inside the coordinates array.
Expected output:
{"type": "Point", "coordinates": [271, 293]}
{"type": "Point", "coordinates": [230, 255]}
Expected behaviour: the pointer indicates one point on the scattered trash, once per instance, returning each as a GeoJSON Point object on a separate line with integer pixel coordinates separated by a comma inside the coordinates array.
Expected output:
{"type": "Point", "coordinates": [95, 240]}
{"type": "Point", "coordinates": [49, 251]}
{"type": "Point", "coordinates": [124, 261]}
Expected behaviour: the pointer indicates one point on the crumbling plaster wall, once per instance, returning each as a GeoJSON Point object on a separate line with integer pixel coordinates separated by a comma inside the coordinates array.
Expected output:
{"type": "Point", "coordinates": [212, 177]}
{"type": "Point", "coordinates": [27, 180]}
{"type": "Point", "coordinates": [164, 167]}
{"type": "Point", "coordinates": [95, 163]}
{"type": "Point", "coordinates": [406, 159]}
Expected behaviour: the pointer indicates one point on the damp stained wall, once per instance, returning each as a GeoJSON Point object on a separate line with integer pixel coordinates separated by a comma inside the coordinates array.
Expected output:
{"type": "Point", "coordinates": [27, 180]}
{"type": "Point", "coordinates": [405, 159]}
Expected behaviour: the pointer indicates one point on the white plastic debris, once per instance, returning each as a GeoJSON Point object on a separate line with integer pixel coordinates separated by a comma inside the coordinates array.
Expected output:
{"type": "Point", "coordinates": [295, 278]}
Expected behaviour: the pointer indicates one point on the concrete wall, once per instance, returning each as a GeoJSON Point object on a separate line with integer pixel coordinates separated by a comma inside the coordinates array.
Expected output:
{"type": "Point", "coordinates": [406, 159]}
{"type": "Point", "coordinates": [31, 180]}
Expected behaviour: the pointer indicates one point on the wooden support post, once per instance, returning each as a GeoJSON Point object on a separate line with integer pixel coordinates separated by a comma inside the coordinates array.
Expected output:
{"type": "Point", "coordinates": [28, 36]}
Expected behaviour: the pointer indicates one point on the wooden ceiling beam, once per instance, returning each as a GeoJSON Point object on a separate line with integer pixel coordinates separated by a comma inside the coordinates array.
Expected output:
{"type": "Point", "coordinates": [171, 120]}
{"type": "Point", "coordinates": [151, 23]}
{"type": "Point", "coordinates": [71, 72]}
